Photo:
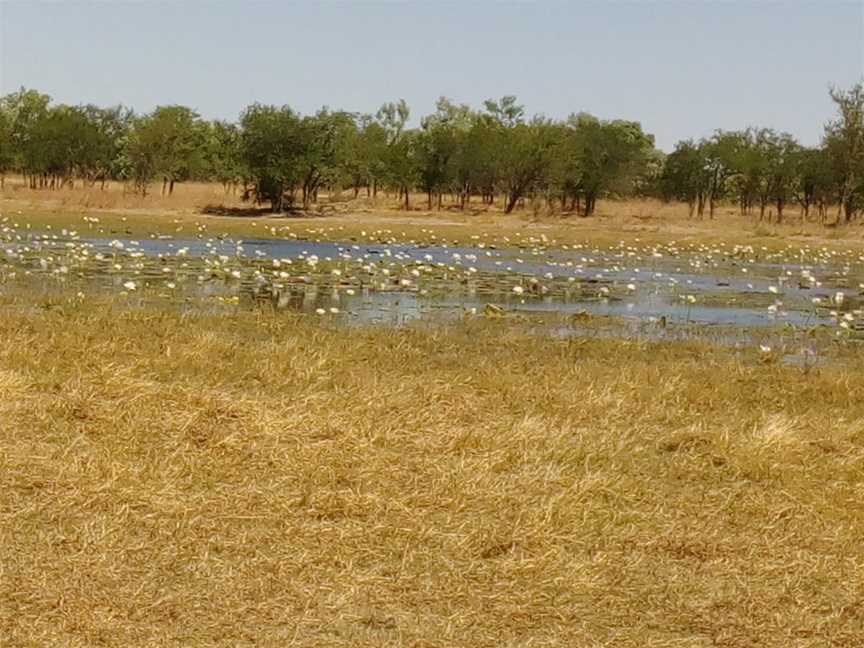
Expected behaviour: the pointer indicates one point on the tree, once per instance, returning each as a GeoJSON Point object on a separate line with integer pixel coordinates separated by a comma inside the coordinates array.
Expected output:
{"type": "Point", "coordinates": [844, 143]}
{"type": "Point", "coordinates": [7, 152]}
{"type": "Point", "coordinates": [139, 157]}
{"type": "Point", "coordinates": [604, 157]}
{"type": "Point", "coordinates": [723, 154]}
{"type": "Point", "coordinates": [223, 154]}
{"type": "Point", "coordinates": [107, 132]}
{"type": "Point", "coordinates": [324, 137]}
{"type": "Point", "coordinates": [179, 135]}
{"type": "Point", "coordinates": [474, 164]}
{"type": "Point", "coordinates": [520, 152]}
{"type": "Point", "coordinates": [685, 176]}
{"type": "Point", "coordinates": [782, 152]}
{"type": "Point", "coordinates": [25, 110]}
{"type": "Point", "coordinates": [271, 147]}
{"type": "Point", "coordinates": [398, 156]}
{"type": "Point", "coordinates": [438, 144]}
{"type": "Point", "coordinates": [814, 181]}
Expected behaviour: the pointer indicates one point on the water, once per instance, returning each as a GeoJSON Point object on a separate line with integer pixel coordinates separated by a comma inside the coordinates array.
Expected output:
{"type": "Point", "coordinates": [394, 284]}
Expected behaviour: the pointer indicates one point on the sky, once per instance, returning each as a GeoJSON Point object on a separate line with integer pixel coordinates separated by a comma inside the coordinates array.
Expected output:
{"type": "Point", "coordinates": [683, 69]}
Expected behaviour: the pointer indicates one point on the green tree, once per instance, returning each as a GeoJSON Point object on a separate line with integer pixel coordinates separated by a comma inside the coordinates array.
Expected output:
{"type": "Point", "coordinates": [176, 137]}
{"type": "Point", "coordinates": [25, 110]}
{"type": "Point", "coordinates": [271, 149]}
{"type": "Point", "coordinates": [520, 151]}
{"type": "Point", "coordinates": [139, 156]}
{"type": "Point", "coordinates": [782, 155]}
{"type": "Point", "coordinates": [723, 163]}
{"type": "Point", "coordinates": [109, 128]}
{"type": "Point", "coordinates": [223, 154]}
{"type": "Point", "coordinates": [685, 176]}
{"type": "Point", "coordinates": [438, 144]}
{"type": "Point", "coordinates": [604, 157]}
{"type": "Point", "coordinates": [815, 181]}
{"type": "Point", "coordinates": [325, 138]}
{"type": "Point", "coordinates": [844, 143]}
{"type": "Point", "coordinates": [399, 164]}
{"type": "Point", "coordinates": [7, 150]}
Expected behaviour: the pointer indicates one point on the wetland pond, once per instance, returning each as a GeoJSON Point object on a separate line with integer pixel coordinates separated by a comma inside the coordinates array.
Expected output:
{"type": "Point", "coordinates": [725, 291]}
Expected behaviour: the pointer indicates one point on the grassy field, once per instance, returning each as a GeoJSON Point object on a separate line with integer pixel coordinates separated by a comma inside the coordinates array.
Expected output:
{"type": "Point", "coordinates": [197, 208]}
{"type": "Point", "coordinates": [254, 479]}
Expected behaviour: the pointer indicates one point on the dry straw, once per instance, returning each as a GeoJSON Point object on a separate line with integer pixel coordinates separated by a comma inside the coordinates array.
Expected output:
{"type": "Point", "coordinates": [259, 480]}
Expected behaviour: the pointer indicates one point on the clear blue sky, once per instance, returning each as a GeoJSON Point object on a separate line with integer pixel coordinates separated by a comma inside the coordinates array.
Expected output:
{"type": "Point", "coordinates": [681, 68]}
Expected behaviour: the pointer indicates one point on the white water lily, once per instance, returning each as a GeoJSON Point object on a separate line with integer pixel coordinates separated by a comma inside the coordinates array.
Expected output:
{"type": "Point", "coordinates": [130, 285]}
{"type": "Point", "coordinates": [518, 290]}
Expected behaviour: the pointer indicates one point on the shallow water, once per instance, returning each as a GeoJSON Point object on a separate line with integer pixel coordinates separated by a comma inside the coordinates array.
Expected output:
{"type": "Point", "coordinates": [398, 283]}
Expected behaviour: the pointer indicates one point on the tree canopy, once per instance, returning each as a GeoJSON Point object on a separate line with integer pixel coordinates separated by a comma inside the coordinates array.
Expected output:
{"type": "Point", "coordinates": [496, 153]}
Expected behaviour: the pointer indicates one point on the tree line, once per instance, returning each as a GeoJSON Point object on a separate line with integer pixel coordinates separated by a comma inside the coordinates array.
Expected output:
{"type": "Point", "coordinates": [277, 156]}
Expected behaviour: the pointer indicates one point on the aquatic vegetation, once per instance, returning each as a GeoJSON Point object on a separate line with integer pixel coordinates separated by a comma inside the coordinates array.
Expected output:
{"type": "Point", "coordinates": [386, 276]}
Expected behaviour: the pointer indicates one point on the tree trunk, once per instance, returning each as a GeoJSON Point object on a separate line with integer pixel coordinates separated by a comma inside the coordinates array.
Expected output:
{"type": "Point", "coordinates": [171, 187]}
{"type": "Point", "coordinates": [276, 204]}
{"type": "Point", "coordinates": [512, 199]}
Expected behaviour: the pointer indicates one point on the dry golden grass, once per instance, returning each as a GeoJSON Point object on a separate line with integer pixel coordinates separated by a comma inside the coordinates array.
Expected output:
{"type": "Point", "coordinates": [116, 196]}
{"type": "Point", "coordinates": [122, 212]}
{"type": "Point", "coordinates": [254, 479]}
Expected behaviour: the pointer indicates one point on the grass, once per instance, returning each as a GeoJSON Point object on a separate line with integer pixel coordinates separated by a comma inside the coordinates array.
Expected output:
{"type": "Point", "coordinates": [189, 479]}
{"type": "Point", "coordinates": [194, 204]}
